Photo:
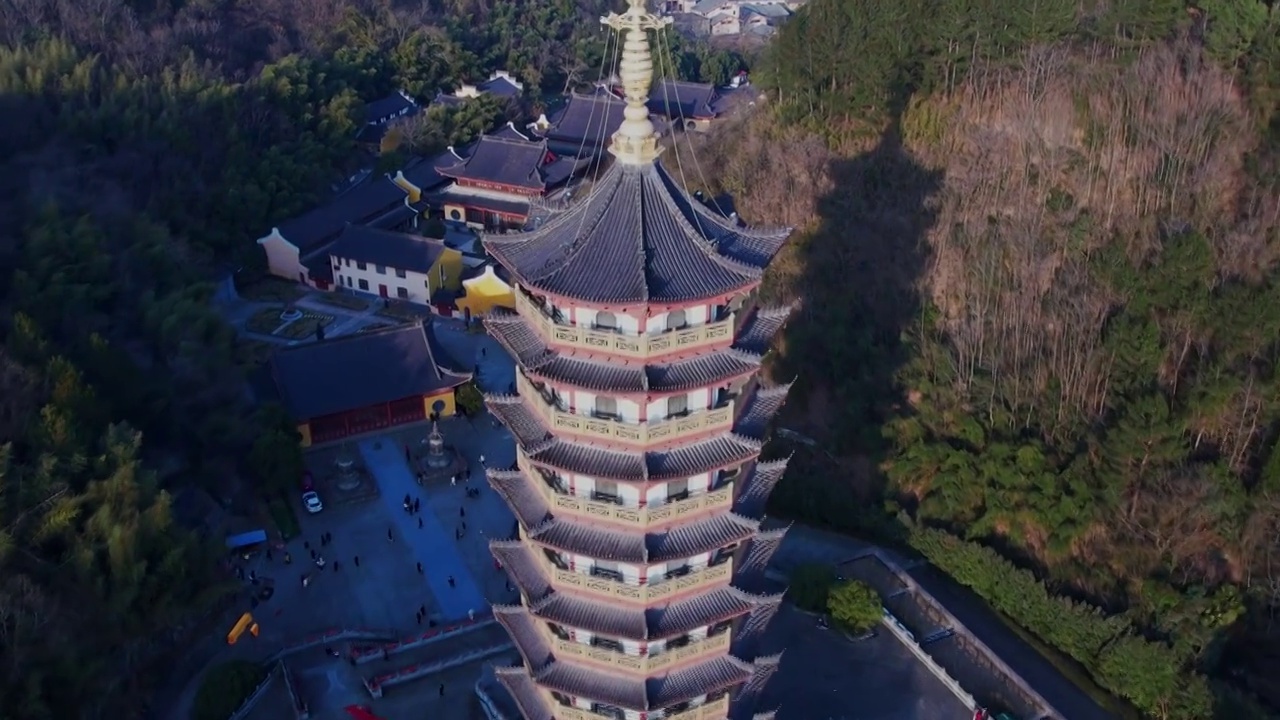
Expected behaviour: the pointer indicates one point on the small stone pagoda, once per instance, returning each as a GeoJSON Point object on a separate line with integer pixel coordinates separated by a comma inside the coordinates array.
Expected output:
{"type": "Point", "coordinates": [639, 421]}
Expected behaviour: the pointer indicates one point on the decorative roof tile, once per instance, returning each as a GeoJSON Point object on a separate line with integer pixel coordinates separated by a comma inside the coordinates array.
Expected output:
{"type": "Point", "coordinates": [524, 632]}
{"type": "Point", "coordinates": [651, 694]}
{"type": "Point", "coordinates": [659, 244]}
{"type": "Point", "coordinates": [520, 686]}
{"type": "Point", "coordinates": [757, 486]}
{"type": "Point", "coordinates": [765, 402]}
{"type": "Point", "coordinates": [758, 332]}
{"type": "Point", "coordinates": [746, 699]}
{"type": "Point", "coordinates": [683, 461]}
{"type": "Point", "coordinates": [617, 620]}
{"type": "Point", "coordinates": [534, 513]}
{"type": "Point", "coordinates": [522, 341]}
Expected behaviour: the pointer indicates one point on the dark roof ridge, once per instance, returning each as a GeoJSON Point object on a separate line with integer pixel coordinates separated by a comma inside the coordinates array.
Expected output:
{"type": "Point", "coordinates": [695, 234]}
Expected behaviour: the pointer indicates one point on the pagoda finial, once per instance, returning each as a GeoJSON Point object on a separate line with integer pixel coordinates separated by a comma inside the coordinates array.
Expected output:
{"type": "Point", "coordinates": [635, 142]}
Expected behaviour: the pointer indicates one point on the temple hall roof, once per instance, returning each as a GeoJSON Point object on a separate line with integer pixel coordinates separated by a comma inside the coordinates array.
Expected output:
{"type": "Point", "coordinates": [587, 119]}
{"type": "Point", "coordinates": [356, 371]}
{"type": "Point", "coordinates": [544, 448]}
{"type": "Point", "coordinates": [533, 354]}
{"type": "Point", "coordinates": [650, 694]}
{"type": "Point", "coordinates": [619, 620]}
{"type": "Point", "coordinates": [682, 541]}
{"type": "Point", "coordinates": [682, 99]}
{"type": "Point", "coordinates": [398, 250]}
{"type": "Point", "coordinates": [657, 243]}
{"type": "Point", "coordinates": [505, 161]}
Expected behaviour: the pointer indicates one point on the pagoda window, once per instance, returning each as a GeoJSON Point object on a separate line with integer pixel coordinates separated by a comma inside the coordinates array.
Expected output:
{"type": "Point", "coordinates": [728, 475]}
{"type": "Point", "coordinates": [607, 643]}
{"type": "Point", "coordinates": [559, 631]}
{"type": "Point", "coordinates": [608, 570]}
{"type": "Point", "coordinates": [606, 491]}
{"type": "Point", "coordinates": [606, 407]}
{"type": "Point", "coordinates": [608, 711]}
{"type": "Point", "coordinates": [677, 406]}
{"type": "Point", "coordinates": [676, 320]}
{"type": "Point", "coordinates": [677, 490]}
{"type": "Point", "coordinates": [605, 321]}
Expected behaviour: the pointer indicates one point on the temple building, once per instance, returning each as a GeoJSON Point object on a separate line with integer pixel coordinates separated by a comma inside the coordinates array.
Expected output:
{"type": "Point", "coordinates": [639, 417]}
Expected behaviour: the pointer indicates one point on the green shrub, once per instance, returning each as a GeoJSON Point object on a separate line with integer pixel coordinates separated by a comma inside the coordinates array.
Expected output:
{"type": "Point", "coordinates": [470, 399]}
{"type": "Point", "coordinates": [855, 606]}
{"type": "Point", "coordinates": [1151, 675]}
{"type": "Point", "coordinates": [225, 688]}
{"type": "Point", "coordinates": [811, 587]}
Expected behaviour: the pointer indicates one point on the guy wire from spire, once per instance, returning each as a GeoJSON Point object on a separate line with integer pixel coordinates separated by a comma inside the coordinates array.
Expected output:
{"type": "Point", "coordinates": [692, 152]}
{"type": "Point", "coordinates": [664, 53]}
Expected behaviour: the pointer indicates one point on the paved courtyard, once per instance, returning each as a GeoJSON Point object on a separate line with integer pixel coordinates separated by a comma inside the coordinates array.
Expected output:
{"type": "Point", "coordinates": [825, 676]}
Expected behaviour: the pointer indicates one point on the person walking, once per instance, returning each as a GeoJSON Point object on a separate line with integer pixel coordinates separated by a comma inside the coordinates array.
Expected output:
{"type": "Point", "coordinates": [390, 537]}
{"type": "Point", "coordinates": [452, 583]}
{"type": "Point", "coordinates": [423, 609]}
{"type": "Point", "coordinates": [441, 689]}
{"type": "Point", "coordinates": [419, 568]}
{"type": "Point", "coordinates": [356, 560]}
{"type": "Point", "coordinates": [482, 460]}
{"type": "Point", "coordinates": [419, 523]}
{"type": "Point", "coordinates": [417, 504]}
{"type": "Point", "coordinates": [462, 512]}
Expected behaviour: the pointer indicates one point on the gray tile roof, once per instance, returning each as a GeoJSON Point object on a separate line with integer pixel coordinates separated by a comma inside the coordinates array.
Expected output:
{"type": "Point", "coordinates": [501, 86]}
{"type": "Point", "coordinates": [505, 161]}
{"type": "Point", "coordinates": [682, 99]}
{"type": "Point", "coordinates": [758, 331]}
{"type": "Point", "coordinates": [398, 250]}
{"type": "Point", "coordinates": [587, 120]}
{"type": "Point", "coordinates": [658, 244]}
{"type": "Point", "coordinates": [523, 342]}
{"type": "Point", "coordinates": [760, 409]}
{"type": "Point", "coordinates": [544, 448]}
{"type": "Point", "coordinates": [645, 694]}
{"type": "Point", "coordinates": [524, 632]}
{"type": "Point", "coordinates": [534, 513]}
{"type": "Point", "coordinates": [747, 698]}
{"type": "Point", "coordinates": [356, 371]}
{"type": "Point", "coordinates": [757, 486]}
{"type": "Point", "coordinates": [617, 619]}
{"type": "Point", "coordinates": [524, 692]}
{"type": "Point", "coordinates": [363, 204]}
{"type": "Point", "coordinates": [424, 172]}
{"type": "Point", "coordinates": [394, 105]}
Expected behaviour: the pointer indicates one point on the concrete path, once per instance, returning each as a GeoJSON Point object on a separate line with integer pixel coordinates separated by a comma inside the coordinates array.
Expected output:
{"type": "Point", "coordinates": [433, 544]}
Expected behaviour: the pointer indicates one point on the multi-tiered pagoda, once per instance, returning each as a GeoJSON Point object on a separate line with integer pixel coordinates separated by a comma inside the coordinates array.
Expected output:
{"type": "Point", "coordinates": [639, 420]}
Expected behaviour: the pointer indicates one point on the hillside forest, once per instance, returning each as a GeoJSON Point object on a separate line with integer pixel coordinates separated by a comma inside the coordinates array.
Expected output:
{"type": "Point", "coordinates": [144, 146]}
{"type": "Point", "coordinates": [1038, 328]}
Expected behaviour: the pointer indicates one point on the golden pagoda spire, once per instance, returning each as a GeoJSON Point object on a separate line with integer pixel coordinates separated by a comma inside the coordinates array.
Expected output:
{"type": "Point", "coordinates": [635, 142]}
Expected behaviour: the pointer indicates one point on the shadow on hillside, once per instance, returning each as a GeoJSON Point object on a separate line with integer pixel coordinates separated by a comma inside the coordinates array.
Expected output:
{"type": "Point", "coordinates": [845, 345]}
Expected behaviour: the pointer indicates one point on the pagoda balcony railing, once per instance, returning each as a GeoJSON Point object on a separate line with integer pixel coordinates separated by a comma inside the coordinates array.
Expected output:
{"type": "Point", "coordinates": [640, 517]}
{"type": "Point", "coordinates": [612, 590]}
{"type": "Point", "coordinates": [676, 428]}
{"type": "Point", "coordinates": [716, 710]}
{"type": "Point", "coordinates": [640, 664]}
{"type": "Point", "coordinates": [633, 346]}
